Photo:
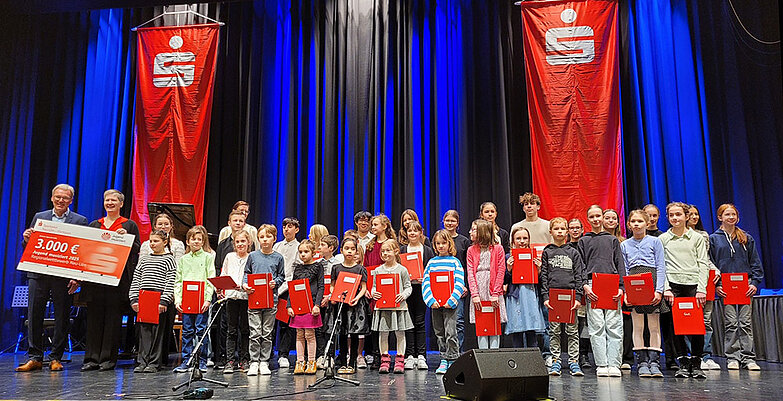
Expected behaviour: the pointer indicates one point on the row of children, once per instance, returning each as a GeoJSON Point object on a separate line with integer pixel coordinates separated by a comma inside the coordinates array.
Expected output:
{"type": "Point", "coordinates": [678, 261]}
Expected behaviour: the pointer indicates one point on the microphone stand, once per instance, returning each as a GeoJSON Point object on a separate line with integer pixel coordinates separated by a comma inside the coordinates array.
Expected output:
{"type": "Point", "coordinates": [329, 354]}
{"type": "Point", "coordinates": [195, 372]}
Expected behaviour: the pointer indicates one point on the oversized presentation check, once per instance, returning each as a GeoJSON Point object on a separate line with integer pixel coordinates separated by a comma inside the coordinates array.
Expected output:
{"type": "Point", "coordinates": [76, 252]}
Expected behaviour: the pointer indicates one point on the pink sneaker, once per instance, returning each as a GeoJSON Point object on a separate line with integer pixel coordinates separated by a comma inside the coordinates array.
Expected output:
{"type": "Point", "coordinates": [385, 362]}
{"type": "Point", "coordinates": [399, 364]}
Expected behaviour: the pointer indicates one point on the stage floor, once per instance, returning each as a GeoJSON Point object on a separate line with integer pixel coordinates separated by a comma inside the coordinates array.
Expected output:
{"type": "Point", "coordinates": [413, 385]}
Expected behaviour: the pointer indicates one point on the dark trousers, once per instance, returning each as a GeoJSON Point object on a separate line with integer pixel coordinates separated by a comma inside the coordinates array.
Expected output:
{"type": "Point", "coordinates": [39, 290]}
{"type": "Point", "coordinates": [285, 339]}
{"type": "Point", "coordinates": [697, 341]}
{"type": "Point", "coordinates": [322, 333]}
{"type": "Point", "coordinates": [217, 335]}
{"type": "Point", "coordinates": [416, 338]}
{"type": "Point", "coordinates": [526, 339]}
{"type": "Point", "coordinates": [104, 324]}
{"type": "Point", "coordinates": [238, 332]}
{"type": "Point", "coordinates": [627, 338]}
{"type": "Point", "coordinates": [348, 356]}
{"type": "Point", "coordinates": [150, 342]}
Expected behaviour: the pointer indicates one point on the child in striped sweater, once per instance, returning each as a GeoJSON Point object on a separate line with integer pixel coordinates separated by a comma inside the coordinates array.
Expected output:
{"type": "Point", "coordinates": [444, 317]}
{"type": "Point", "coordinates": [155, 272]}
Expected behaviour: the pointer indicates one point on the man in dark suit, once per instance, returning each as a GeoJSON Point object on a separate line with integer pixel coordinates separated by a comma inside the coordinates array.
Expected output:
{"type": "Point", "coordinates": [41, 287]}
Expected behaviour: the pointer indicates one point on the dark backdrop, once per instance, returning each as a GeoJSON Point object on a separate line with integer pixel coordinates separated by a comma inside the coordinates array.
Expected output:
{"type": "Point", "coordinates": [323, 108]}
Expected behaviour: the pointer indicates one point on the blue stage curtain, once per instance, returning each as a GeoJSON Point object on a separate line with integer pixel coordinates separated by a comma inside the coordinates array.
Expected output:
{"type": "Point", "coordinates": [16, 123]}
{"type": "Point", "coordinates": [701, 104]}
{"type": "Point", "coordinates": [744, 88]}
{"type": "Point", "coordinates": [665, 130]}
{"type": "Point", "coordinates": [67, 110]}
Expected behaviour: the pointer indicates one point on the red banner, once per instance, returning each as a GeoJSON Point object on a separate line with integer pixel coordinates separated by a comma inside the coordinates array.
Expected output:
{"type": "Point", "coordinates": [573, 91]}
{"type": "Point", "coordinates": [176, 75]}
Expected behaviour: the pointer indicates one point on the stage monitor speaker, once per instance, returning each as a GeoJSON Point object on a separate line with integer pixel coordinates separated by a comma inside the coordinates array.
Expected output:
{"type": "Point", "coordinates": [498, 374]}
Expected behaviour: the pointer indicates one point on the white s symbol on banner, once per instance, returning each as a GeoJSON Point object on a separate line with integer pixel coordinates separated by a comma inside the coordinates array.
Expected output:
{"type": "Point", "coordinates": [170, 70]}
{"type": "Point", "coordinates": [564, 42]}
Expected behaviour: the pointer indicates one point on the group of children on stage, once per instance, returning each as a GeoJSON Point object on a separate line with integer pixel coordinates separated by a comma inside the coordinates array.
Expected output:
{"type": "Point", "coordinates": [480, 269]}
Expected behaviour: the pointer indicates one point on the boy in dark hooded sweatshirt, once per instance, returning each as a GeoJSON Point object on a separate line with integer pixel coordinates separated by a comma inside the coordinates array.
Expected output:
{"type": "Point", "coordinates": [562, 268]}
{"type": "Point", "coordinates": [601, 253]}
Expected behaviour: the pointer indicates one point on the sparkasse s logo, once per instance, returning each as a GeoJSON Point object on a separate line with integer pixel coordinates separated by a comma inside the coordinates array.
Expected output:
{"type": "Point", "coordinates": [174, 69]}
{"type": "Point", "coordinates": [571, 44]}
{"type": "Point", "coordinates": [105, 236]}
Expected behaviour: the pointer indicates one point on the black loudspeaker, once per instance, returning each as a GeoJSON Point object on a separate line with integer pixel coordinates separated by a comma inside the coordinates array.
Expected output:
{"type": "Point", "coordinates": [498, 374]}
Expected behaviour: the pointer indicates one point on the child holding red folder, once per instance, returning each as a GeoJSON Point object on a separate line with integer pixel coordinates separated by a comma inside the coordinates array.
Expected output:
{"type": "Point", "coordinates": [562, 268]}
{"type": "Point", "coordinates": [155, 272]}
{"type": "Point", "coordinates": [198, 264]}
{"type": "Point", "coordinates": [262, 321]}
{"type": "Point", "coordinates": [416, 338]}
{"type": "Point", "coordinates": [687, 269]}
{"type": "Point", "coordinates": [600, 251]}
{"type": "Point", "coordinates": [395, 319]}
{"type": "Point", "coordinates": [486, 271]}
{"type": "Point", "coordinates": [237, 333]}
{"type": "Point", "coordinates": [733, 250]}
{"type": "Point", "coordinates": [524, 316]}
{"type": "Point", "coordinates": [643, 253]}
{"type": "Point", "coordinates": [306, 324]}
{"type": "Point", "coordinates": [355, 317]}
{"type": "Point", "coordinates": [444, 316]}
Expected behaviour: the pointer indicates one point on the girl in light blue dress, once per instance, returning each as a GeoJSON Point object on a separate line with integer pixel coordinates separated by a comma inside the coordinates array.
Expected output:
{"type": "Point", "coordinates": [524, 315]}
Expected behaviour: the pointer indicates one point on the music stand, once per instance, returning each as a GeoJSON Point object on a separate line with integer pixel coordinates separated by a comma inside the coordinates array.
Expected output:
{"type": "Point", "coordinates": [330, 352]}
{"type": "Point", "coordinates": [182, 214]}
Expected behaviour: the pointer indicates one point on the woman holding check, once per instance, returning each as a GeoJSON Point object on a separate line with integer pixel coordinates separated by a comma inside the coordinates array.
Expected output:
{"type": "Point", "coordinates": [106, 304]}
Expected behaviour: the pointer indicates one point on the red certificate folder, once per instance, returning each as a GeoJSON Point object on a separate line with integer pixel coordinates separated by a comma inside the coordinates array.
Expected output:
{"type": "Point", "coordinates": [327, 285]}
{"type": "Point", "coordinates": [223, 283]}
{"type": "Point", "coordinates": [487, 320]}
{"type": "Point", "coordinates": [412, 261]}
{"type": "Point", "coordinates": [299, 296]}
{"type": "Point", "coordinates": [282, 311]}
{"type": "Point", "coordinates": [388, 285]}
{"type": "Point", "coordinates": [442, 286]}
{"type": "Point", "coordinates": [371, 282]}
{"type": "Point", "coordinates": [711, 286]}
{"type": "Point", "coordinates": [148, 307]}
{"type": "Point", "coordinates": [539, 247]}
{"type": "Point", "coordinates": [605, 286]}
{"type": "Point", "coordinates": [562, 301]}
{"type": "Point", "coordinates": [639, 289]}
{"type": "Point", "coordinates": [262, 297]}
{"type": "Point", "coordinates": [735, 285]}
{"type": "Point", "coordinates": [524, 271]}
{"type": "Point", "coordinates": [688, 316]}
{"type": "Point", "coordinates": [346, 282]}
{"type": "Point", "coordinates": [192, 296]}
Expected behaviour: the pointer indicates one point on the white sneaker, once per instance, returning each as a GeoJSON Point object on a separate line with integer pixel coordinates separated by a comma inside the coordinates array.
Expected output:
{"type": "Point", "coordinates": [421, 363]}
{"type": "Point", "coordinates": [283, 362]}
{"type": "Point", "coordinates": [263, 368]}
{"type": "Point", "coordinates": [710, 364]}
{"type": "Point", "coordinates": [410, 363]}
{"type": "Point", "coordinates": [319, 363]}
{"type": "Point", "coordinates": [614, 371]}
{"type": "Point", "coordinates": [625, 366]}
{"type": "Point", "coordinates": [752, 365]}
{"type": "Point", "coordinates": [210, 363]}
{"type": "Point", "coordinates": [368, 360]}
{"type": "Point", "coordinates": [733, 365]}
{"type": "Point", "coordinates": [548, 361]}
{"type": "Point", "coordinates": [602, 371]}
{"type": "Point", "coordinates": [253, 369]}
